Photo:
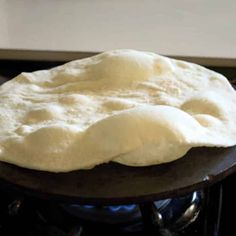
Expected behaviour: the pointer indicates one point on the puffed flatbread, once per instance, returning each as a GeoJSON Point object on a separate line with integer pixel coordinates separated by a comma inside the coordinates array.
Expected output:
{"type": "Point", "coordinates": [132, 107]}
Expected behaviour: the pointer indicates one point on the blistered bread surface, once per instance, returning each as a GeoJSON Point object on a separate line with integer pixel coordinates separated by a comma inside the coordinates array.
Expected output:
{"type": "Point", "coordinates": [135, 108]}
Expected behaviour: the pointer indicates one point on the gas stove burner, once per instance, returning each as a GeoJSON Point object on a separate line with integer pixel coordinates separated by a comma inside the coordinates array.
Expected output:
{"type": "Point", "coordinates": [174, 213]}
{"type": "Point", "coordinates": [116, 214]}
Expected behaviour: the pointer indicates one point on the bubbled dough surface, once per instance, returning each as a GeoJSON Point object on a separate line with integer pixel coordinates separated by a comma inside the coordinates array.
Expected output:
{"type": "Point", "coordinates": [135, 108]}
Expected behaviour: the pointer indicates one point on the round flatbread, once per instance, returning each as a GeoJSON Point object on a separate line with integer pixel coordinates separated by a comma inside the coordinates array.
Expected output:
{"type": "Point", "coordinates": [135, 108]}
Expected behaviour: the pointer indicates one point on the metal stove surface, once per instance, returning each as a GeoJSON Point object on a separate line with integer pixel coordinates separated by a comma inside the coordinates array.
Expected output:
{"type": "Point", "coordinates": [25, 216]}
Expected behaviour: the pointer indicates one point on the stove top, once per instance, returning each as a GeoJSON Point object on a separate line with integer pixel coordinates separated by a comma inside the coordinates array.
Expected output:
{"type": "Point", "coordinates": [28, 216]}
{"type": "Point", "coordinates": [203, 213]}
{"type": "Point", "coordinates": [195, 214]}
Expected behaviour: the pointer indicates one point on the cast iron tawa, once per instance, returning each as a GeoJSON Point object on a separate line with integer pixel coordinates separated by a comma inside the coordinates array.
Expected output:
{"type": "Point", "coordinates": [117, 184]}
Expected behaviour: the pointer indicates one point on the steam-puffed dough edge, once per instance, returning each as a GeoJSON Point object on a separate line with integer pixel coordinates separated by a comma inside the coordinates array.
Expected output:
{"type": "Point", "coordinates": [135, 108]}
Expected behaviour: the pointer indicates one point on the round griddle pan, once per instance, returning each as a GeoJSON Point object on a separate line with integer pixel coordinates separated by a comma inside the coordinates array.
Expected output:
{"type": "Point", "coordinates": [117, 184]}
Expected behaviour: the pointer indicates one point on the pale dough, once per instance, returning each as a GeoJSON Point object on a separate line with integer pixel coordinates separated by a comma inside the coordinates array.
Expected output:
{"type": "Point", "coordinates": [135, 108]}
